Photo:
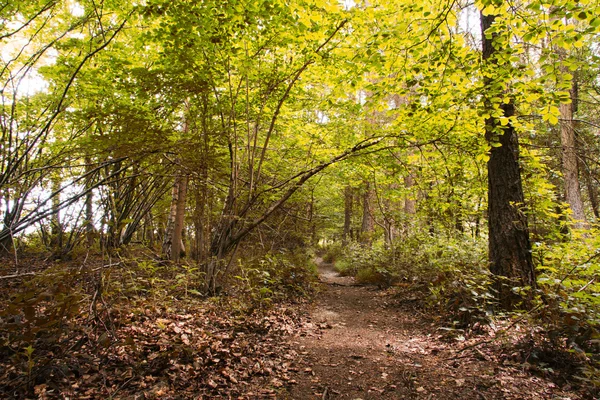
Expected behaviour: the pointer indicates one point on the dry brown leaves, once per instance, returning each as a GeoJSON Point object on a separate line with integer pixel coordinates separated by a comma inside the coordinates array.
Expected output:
{"type": "Point", "coordinates": [188, 349]}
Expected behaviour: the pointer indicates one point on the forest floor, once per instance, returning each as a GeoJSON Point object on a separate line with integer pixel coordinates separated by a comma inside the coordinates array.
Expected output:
{"type": "Point", "coordinates": [352, 342]}
{"type": "Point", "coordinates": [374, 344]}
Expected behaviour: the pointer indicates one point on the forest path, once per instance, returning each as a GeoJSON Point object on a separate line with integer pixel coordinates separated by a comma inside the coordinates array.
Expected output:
{"type": "Point", "coordinates": [364, 343]}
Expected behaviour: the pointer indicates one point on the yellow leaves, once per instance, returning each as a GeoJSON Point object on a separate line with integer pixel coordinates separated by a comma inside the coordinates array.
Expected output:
{"type": "Point", "coordinates": [552, 119]}
{"type": "Point", "coordinates": [489, 10]}
{"type": "Point", "coordinates": [457, 79]}
{"type": "Point", "coordinates": [532, 97]}
{"type": "Point", "coordinates": [331, 6]}
{"type": "Point", "coordinates": [483, 157]}
{"type": "Point", "coordinates": [551, 114]}
{"type": "Point", "coordinates": [316, 18]}
{"type": "Point", "coordinates": [495, 8]}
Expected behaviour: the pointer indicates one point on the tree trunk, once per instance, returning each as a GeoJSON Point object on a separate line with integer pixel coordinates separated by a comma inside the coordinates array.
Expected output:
{"type": "Point", "coordinates": [89, 206]}
{"type": "Point", "coordinates": [149, 230]}
{"type": "Point", "coordinates": [367, 227]}
{"type": "Point", "coordinates": [591, 189]}
{"type": "Point", "coordinates": [509, 245]}
{"type": "Point", "coordinates": [178, 249]}
{"type": "Point", "coordinates": [388, 233]}
{"type": "Point", "coordinates": [410, 205]}
{"type": "Point", "coordinates": [10, 215]}
{"type": "Point", "coordinates": [199, 216]}
{"type": "Point", "coordinates": [348, 196]}
{"type": "Point", "coordinates": [569, 165]}
{"type": "Point", "coordinates": [172, 242]}
{"type": "Point", "coordinates": [56, 229]}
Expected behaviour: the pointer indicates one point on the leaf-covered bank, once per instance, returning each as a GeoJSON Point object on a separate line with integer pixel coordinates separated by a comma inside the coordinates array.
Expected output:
{"type": "Point", "coordinates": [121, 328]}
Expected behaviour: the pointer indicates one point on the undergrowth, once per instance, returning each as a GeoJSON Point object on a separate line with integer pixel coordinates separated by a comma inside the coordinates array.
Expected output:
{"type": "Point", "coordinates": [457, 287]}
{"type": "Point", "coordinates": [453, 270]}
{"type": "Point", "coordinates": [275, 277]}
{"type": "Point", "coordinates": [58, 322]}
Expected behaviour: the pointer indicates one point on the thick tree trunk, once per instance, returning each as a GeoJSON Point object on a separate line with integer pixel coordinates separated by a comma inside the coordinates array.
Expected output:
{"type": "Point", "coordinates": [6, 241]}
{"type": "Point", "coordinates": [348, 197]}
{"type": "Point", "coordinates": [569, 165]}
{"type": "Point", "coordinates": [509, 245]}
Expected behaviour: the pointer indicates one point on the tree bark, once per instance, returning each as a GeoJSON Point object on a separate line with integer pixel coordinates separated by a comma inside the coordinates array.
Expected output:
{"type": "Point", "coordinates": [199, 213]}
{"type": "Point", "coordinates": [348, 196]}
{"type": "Point", "coordinates": [410, 205]}
{"type": "Point", "coordinates": [367, 227]}
{"type": "Point", "coordinates": [89, 206]}
{"type": "Point", "coordinates": [591, 189]}
{"type": "Point", "coordinates": [56, 231]}
{"type": "Point", "coordinates": [509, 244]}
{"type": "Point", "coordinates": [172, 242]}
{"type": "Point", "coordinates": [178, 248]}
{"type": "Point", "coordinates": [569, 165]}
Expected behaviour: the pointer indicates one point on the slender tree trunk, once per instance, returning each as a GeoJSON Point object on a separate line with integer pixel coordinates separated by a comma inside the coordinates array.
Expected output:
{"type": "Point", "coordinates": [591, 189]}
{"type": "Point", "coordinates": [173, 243]}
{"type": "Point", "coordinates": [178, 246]}
{"type": "Point", "coordinates": [199, 215]}
{"type": "Point", "coordinates": [348, 197]}
{"type": "Point", "coordinates": [89, 206]}
{"type": "Point", "coordinates": [388, 233]}
{"type": "Point", "coordinates": [167, 243]}
{"type": "Point", "coordinates": [410, 205]}
{"type": "Point", "coordinates": [509, 245]}
{"type": "Point", "coordinates": [569, 164]}
{"type": "Point", "coordinates": [56, 231]}
{"type": "Point", "coordinates": [149, 230]}
{"type": "Point", "coordinates": [310, 214]}
{"type": "Point", "coordinates": [368, 225]}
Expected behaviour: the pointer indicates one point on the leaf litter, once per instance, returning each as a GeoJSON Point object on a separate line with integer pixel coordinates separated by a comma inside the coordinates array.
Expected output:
{"type": "Point", "coordinates": [350, 343]}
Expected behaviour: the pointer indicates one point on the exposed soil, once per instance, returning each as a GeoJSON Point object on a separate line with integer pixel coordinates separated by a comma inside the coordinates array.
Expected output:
{"type": "Point", "coordinates": [364, 343]}
{"type": "Point", "coordinates": [353, 342]}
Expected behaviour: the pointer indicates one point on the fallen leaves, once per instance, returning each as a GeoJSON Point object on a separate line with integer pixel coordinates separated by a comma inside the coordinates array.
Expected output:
{"type": "Point", "coordinates": [184, 350]}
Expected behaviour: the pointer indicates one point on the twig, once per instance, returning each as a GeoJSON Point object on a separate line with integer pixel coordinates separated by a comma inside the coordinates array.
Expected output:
{"type": "Point", "coordinates": [587, 284]}
{"type": "Point", "coordinates": [106, 266]}
{"type": "Point", "coordinates": [17, 275]}
{"type": "Point", "coordinates": [325, 393]}
{"type": "Point", "coordinates": [580, 265]}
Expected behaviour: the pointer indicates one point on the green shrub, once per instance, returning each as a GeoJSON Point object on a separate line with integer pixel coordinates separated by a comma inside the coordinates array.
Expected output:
{"type": "Point", "coordinates": [368, 266]}
{"type": "Point", "coordinates": [277, 276]}
{"type": "Point", "coordinates": [569, 290]}
{"type": "Point", "coordinates": [332, 253]}
{"type": "Point", "coordinates": [453, 268]}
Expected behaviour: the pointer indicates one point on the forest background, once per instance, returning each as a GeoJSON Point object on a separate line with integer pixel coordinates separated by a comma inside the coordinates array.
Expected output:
{"type": "Point", "coordinates": [182, 148]}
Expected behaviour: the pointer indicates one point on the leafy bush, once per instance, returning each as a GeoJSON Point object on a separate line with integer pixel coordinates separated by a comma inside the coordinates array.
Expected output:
{"type": "Point", "coordinates": [569, 291]}
{"type": "Point", "coordinates": [368, 266]}
{"type": "Point", "coordinates": [283, 275]}
{"type": "Point", "coordinates": [453, 268]}
{"type": "Point", "coordinates": [332, 253]}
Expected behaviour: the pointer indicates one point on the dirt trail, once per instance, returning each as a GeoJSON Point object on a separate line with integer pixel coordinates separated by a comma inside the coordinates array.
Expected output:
{"type": "Point", "coordinates": [363, 343]}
